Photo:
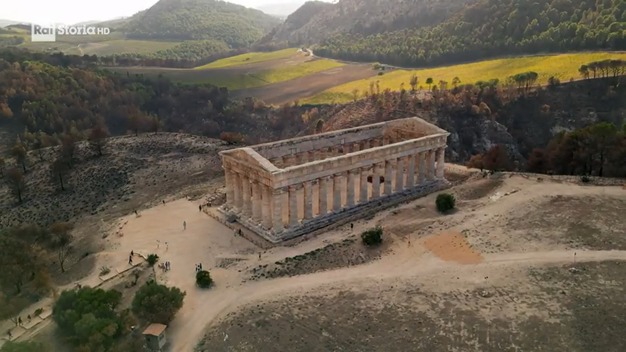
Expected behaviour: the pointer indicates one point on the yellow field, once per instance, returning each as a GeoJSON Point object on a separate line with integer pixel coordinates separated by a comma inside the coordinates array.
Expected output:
{"type": "Point", "coordinates": [236, 78]}
{"type": "Point", "coordinates": [249, 58]}
{"type": "Point", "coordinates": [563, 66]}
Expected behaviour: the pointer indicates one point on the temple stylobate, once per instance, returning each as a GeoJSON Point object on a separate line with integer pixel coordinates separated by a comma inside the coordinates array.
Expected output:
{"type": "Point", "coordinates": [288, 188]}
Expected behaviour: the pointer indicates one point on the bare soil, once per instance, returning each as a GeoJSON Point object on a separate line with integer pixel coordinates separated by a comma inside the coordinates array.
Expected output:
{"type": "Point", "coordinates": [299, 88]}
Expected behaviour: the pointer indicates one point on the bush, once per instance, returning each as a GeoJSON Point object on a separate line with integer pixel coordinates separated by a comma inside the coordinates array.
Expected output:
{"type": "Point", "coordinates": [26, 346]}
{"type": "Point", "coordinates": [585, 179]}
{"type": "Point", "coordinates": [156, 303]}
{"type": "Point", "coordinates": [203, 279]}
{"type": "Point", "coordinates": [105, 270]}
{"type": "Point", "coordinates": [152, 259]}
{"type": "Point", "coordinates": [372, 237]}
{"type": "Point", "coordinates": [445, 202]}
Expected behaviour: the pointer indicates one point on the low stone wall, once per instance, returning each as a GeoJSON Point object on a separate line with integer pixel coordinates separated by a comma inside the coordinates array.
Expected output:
{"type": "Point", "coordinates": [335, 219]}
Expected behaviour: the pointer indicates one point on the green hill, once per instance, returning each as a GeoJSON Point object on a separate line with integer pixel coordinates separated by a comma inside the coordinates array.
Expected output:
{"type": "Point", "coordinates": [235, 25]}
{"type": "Point", "coordinates": [430, 32]}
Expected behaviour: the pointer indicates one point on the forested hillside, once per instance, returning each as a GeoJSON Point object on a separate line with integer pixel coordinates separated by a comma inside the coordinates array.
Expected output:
{"type": "Point", "coordinates": [232, 24]}
{"type": "Point", "coordinates": [417, 33]}
{"type": "Point", "coordinates": [50, 97]}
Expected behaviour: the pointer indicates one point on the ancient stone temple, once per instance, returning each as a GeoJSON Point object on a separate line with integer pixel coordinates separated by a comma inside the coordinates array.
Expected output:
{"type": "Point", "coordinates": [292, 187]}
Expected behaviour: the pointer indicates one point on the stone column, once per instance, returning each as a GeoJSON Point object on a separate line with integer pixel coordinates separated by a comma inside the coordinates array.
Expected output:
{"type": "Point", "coordinates": [311, 155]}
{"type": "Point", "coordinates": [293, 206]}
{"type": "Point", "coordinates": [355, 147]}
{"type": "Point", "coordinates": [237, 188]}
{"type": "Point", "coordinates": [228, 180]}
{"type": "Point", "coordinates": [441, 153]}
{"type": "Point", "coordinates": [376, 182]}
{"type": "Point", "coordinates": [247, 204]}
{"type": "Point", "coordinates": [277, 216]}
{"type": "Point", "coordinates": [363, 186]}
{"type": "Point", "coordinates": [350, 189]}
{"type": "Point", "coordinates": [336, 192]}
{"type": "Point", "coordinates": [400, 175]}
{"type": "Point", "coordinates": [421, 157]}
{"type": "Point", "coordinates": [256, 201]}
{"type": "Point", "coordinates": [388, 177]}
{"type": "Point", "coordinates": [431, 165]}
{"type": "Point", "coordinates": [308, 200]}
{"type": "Point", "coordinates": [410, 173]}
{"type": "Point", "coordinates": [365, 144]}
{"type": "Point", "coordinates": [267, 207]}
{"type": "Point", "coordinates": [323, 196]}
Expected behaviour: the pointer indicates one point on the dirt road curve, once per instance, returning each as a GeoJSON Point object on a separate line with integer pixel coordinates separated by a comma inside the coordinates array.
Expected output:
{"type": "Point", "coordinates": [404, 264]}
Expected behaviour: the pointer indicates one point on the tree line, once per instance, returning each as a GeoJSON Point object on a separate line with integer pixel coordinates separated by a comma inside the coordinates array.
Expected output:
{"type": "Point", "coordinates": [488, 29]}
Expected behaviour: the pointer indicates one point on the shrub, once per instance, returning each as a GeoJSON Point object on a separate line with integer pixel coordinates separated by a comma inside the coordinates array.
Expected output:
{"type": "Point", "coordinates": [445, 202]}
{"type": "Point", "coordinates": [203, 279]}
{"type": "Point", "coordinates": [26, 346]}
{"type": "Point", "coordinates": [157, 303]}
{"type": "Point", "coordinates": [372, 237]}
{"type": "Point", "coordinates": [105, 270]}
{"type": "Point", "coordinates": [152, 259]}
{"type": "Point", "coordinates": [585, 179]}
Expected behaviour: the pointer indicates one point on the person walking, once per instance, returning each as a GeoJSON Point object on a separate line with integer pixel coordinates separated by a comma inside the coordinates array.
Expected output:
{"type": "Point", "coordinates": [200, 267]}
{"type": "Point", "coordinates": [184, 225]}
{"type": "Point", "coordinates": [200, 208]}
{"type": "Point", "coordinates": [132, 253]}
{"type": "Point", "coordinates": [130, 260]}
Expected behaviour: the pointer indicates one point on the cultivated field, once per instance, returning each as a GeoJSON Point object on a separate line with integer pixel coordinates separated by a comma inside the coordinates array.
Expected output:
{"type": "Point", "coordinates": [277, 77]}
{"type": "Point", "coordinates": [523, 263]}
{"type": "Point", "coordinates": [563, 67]}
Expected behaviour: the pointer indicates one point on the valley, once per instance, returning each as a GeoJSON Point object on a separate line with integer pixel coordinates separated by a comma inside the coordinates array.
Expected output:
{"type": "Point", "coordinates": [113, 184]}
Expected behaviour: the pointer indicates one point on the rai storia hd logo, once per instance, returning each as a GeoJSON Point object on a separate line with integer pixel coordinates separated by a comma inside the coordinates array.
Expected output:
{"type": "Point", "coordinates": [49, 33]}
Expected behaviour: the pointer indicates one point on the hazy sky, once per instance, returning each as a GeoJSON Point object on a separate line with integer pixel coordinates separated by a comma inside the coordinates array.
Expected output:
{"type": "Point", "coordinates": [74, 11]}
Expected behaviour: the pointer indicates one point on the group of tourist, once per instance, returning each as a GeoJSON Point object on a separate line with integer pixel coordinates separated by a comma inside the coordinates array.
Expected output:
{"type": "Point", "coordinates": [198, 267]}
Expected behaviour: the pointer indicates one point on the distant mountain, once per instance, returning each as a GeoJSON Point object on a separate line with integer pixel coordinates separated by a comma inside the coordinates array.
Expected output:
{"type": "Point", "coordinates": [4, 23]}
{"type": "Point", "coordinates": [235, 25]}
{"type": "Point", "coordinates": [429, 32]}
{"type": "Point", "coordinates": [281, 10]}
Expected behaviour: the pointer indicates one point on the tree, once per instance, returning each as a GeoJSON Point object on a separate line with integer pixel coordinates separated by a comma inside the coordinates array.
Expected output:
{"type": "Point", "coordinates": [62, 241]}
{"type": "Point", "coordinates": [372, 237]}
{"type": "Point", "coordinates": [497, 159]}
{"type": "Point", "coordinates": [456, 81]}
{"type": "Point", "coordinates": [2, 166]}
{"type": "Point", "coordinates": [15, 181]}
{"type": "Point", "coordinates": [413, 82]}
{"type": "Point", "coordinates": [155, 124]}
{"type": "Point", "coordinates": [19, 152]}
{"type": "Point", "coordinates": [157, 303]}
{"type": "Point", "coordinates": [203, 279]}
{"type": "Point", "coordinates": [584, 71]}
{"type": "Point", "coordinates": [19, 260]}
{"type": "Point", "coordinates": [25, 346]}
{"type": "Point", "coordinates": [87, 317]}
{"type": "Point", "coordinates": [152, 259]}
{"type": "Point", "coordinates": [445, 202]}
{"type": "Point", "coordinates": [319, 126]}
{"type": "Point", "coordinates": [476, 162]}
{"type": "Point", "coordinates": [429, 81]}
{"type": "Point", "coordinates": [43, 141]}
{"type": "Point", "coordinates": [68, 148]}
{"type": "Point", "coordinates": [97, 138]}
{"type": "Point", "coordinates": [58, 170]}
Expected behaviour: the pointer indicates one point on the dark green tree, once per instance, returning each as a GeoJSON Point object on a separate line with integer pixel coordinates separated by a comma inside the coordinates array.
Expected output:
{"type": "Point", "coordinates": [156, 303]}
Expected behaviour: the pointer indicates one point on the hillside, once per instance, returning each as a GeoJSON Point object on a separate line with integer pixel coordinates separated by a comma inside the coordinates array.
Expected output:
{"type": "Point", "coordinates": [235, 25]}
{"type": "Point", "coordinates": [423, 32]}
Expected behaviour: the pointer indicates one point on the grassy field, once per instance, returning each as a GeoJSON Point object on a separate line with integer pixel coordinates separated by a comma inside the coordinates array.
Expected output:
{"type": "Point", "coordinates": [235, 78]}
{"type": "Point", "coordinates": [101, 47]}
{"type": "Point", "coordinates": [249, 58]}
{"type": "Point", "coordinates": [564, 67]}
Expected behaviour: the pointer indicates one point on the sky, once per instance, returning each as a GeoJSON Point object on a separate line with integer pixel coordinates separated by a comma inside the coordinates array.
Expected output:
{"type": "Point", "coordinates": [75, 11]}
